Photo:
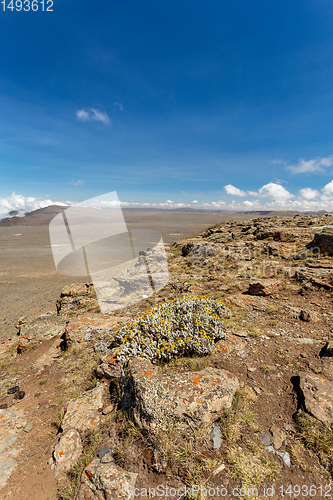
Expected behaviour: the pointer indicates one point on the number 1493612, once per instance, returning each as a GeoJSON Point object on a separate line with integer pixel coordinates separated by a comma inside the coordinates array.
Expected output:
{"type": "Point", "coordinates": [27, 5]}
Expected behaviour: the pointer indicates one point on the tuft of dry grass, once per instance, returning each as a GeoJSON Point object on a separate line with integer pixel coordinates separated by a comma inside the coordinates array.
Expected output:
{"type": "Point", "coordinates": [194, 364]}
{"type": "Point", "coordinates": [297, 454]}
{"type": "Point", "coordinates": [239, 417]}
{"type": "Point", "coordinates": [268, 368]}
{"type": "Point", "coordinates": [318, 438]}
{"type": "Point", "coordinates": [251, 467]}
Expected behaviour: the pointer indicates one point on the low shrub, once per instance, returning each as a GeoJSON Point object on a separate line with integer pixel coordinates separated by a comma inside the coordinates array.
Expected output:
{"type": "Point", "coordinates": [181, 327]}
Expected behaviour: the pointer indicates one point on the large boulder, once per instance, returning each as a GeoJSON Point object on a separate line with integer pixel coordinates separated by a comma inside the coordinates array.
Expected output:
{"type": "Point", "coordinates": [198, 250]}
{"type": "Point", "coordinates": [318, 396]}
{"type": "Point", "coordinates": [323, 243]}
{"type": "Point", "coordinates": [154, 398]}
{"type": "Point", "coordinates": [100, 481]}
{"type": "Point", "coordinates": [263, 288]}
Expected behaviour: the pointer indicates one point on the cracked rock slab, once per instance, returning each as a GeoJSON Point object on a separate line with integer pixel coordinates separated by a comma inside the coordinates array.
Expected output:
{"type": "Point", "coordinates": [82, 412]}
{"type": "Point", "coordinates": [152, 397]}
{"type": "Point", "coordinates": [106, 480]}
{"type": "Point", "coordinates": [11, 424]}
{"type": "Point", "coordinates": [67, 451]}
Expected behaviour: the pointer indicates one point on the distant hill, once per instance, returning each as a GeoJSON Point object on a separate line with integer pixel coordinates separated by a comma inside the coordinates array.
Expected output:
{"type": "Point", "coordinates": [40, 217]}
{"type": "Point", "coordinates": [43, 216]}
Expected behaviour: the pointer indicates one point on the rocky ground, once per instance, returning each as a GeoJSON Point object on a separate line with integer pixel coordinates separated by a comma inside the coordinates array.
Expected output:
{"type": "Point", "coordinates": [255, 413]}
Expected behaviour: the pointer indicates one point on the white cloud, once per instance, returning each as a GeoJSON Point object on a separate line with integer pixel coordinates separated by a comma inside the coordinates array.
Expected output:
{"type": "Point", "coordinates": [277, 161]}
{"type": "Point", "coordinates": [234, 191]}
{"type": "Point", "coordinates": [91, 114]}
{"type": "Point", "coordinates": [20, 205]}
{"type": "Point", "coordinates": [169, 201]}
{"type": "Point", "coordinates": [314, 165]}
{"type": "Point", "coordinates": [328, 189]}
{"type": "Point", "coordinates": [275, 191]}
{"type": "Point", "coordinates": [195, 201]}
{"type": "Point", "coordinates": [119, 105]}
{"type": "Point", "coordinates": [309, 193]}
{"type": "Point", "coordinates": [78, 182]}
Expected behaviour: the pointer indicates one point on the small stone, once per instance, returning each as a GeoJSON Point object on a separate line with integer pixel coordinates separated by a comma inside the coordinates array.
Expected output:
{"type": "Point", "coordinates": [216, 436]}
{"type": "Point", "coordinates": [107, 459]}
{"type": "Point", "coordinates": [251, 368]}
{"type": "Point", "coordinates": [103, 451]}
{"type": "Point", "coordinates": [304, 316]}
{"type": "Point", "coordinates": [19, 395]}
{"type": "Point", "coordinates": [29, 455]}
{"type": "Point", "coordinates": [303, 355]}
{"type": "Point", "coordinates": [278, 436]}
{"type": "Point", "coordinates": [28, 427]}
{"type": "Point", "coordinates": [107, 410]}
{"type": "Point", "coordinates": [4, 406]}
{"type": "Point", "coordinates": [12, 390]}
{"type": "Point", "coordinates": [285, 457]}
{"type": "Point", "coordinates": [265, 438]}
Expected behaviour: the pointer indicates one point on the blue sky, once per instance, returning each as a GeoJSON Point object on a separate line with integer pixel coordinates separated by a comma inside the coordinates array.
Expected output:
{"type": "Point", "coordinates": [216, 105]}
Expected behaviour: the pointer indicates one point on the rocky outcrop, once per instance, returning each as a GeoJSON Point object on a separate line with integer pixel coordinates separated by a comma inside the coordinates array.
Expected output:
{"type": "Point", "coordinates": [317, 392]}
{"type": "Point", "coordinates": [42, 328]}
{"type": "Point", "coordinates": [102, 481]}
{"type": "Point", "coordinates": [153, 398]}
{"type": "Point", "coordinates": [76, 299]}
{"type": "Point", "coordinates": [198, 250]}
{"type": "Point", "coordinates": [109, 368]}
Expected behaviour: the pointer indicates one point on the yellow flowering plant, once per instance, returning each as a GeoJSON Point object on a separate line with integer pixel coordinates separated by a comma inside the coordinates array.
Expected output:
{"type": "Point", "coordinates": [180, 327]}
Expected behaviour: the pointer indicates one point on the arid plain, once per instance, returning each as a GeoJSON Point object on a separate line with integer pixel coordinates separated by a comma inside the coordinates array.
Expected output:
{"type": "Point", "coordinates": [29, 281]}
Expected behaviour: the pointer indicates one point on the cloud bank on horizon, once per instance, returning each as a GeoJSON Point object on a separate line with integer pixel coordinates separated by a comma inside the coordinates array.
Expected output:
{"type": "Point", "coordinates": [18, 205]}
{"type": "Point", "coordinates": [271, 196]}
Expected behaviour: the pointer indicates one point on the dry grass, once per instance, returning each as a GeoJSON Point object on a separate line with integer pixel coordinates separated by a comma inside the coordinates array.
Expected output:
{"type": "Point", "coordinates": [298, 455]}
{"type": "Point", "coordinates": [254, 331]}
{"type": "Point", "coordinates": [268, 368]}
{"type": "Point", "coordinates": [194, 364]}
{"type": "Point", "coordinates": [272, 309]}
{"type": "Point", "coordinates": [251, 467]}
{"type": "Point", "coordinates": [78, 364]}
{"type": "Point", "coordinates": [317, 438]}
{"type": "Point", "coordinates": [239, 417]}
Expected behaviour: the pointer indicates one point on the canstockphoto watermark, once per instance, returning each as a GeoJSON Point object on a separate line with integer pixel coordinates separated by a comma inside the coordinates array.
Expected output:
{"type": "Point", "coordinates": [125, 266]}
{"type": "Point", "coordinates": [164, 491]}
